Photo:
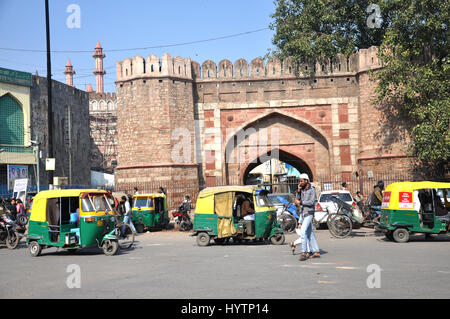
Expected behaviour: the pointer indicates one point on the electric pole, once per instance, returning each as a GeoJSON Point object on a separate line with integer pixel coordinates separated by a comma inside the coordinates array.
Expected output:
{"type": "Point", "coordinates": [49, 94]}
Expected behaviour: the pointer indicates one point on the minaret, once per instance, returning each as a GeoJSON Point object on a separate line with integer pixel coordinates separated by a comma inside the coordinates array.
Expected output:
{"type": "Point", "coordinates": [89, 89]}
{"type": "Point", "coordinates": [69, 72]}
{"type": "Point", "coordinates": [99, 72]}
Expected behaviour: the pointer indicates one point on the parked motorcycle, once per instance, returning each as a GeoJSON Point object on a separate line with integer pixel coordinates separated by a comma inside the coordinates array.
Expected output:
{"type": "Point", "coordinates": [182, 218]}
{"type": "Point", "coordinates": [8, 233]}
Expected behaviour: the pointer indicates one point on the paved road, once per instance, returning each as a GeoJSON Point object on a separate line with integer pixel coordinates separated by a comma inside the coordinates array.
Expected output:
{"type": "Point", "coordinates": [169, 264]}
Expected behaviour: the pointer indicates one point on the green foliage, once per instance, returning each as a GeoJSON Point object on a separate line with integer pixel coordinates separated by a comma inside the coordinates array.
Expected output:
{"type": "Point", "coordinates": [313, 30]}
{"type": "Point", "coordinates": [413, 85]}
{"type": "Point", "coordinates": [415, 80]}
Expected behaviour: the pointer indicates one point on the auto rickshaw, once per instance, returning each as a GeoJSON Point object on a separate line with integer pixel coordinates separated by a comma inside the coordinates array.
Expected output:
{"type": "Point", "coordinates": [218, 215]}
{"type": "Point", "coordinates": [149, 211]}
{"type": "Point", "coordinates": [415, 207]}
{"type": "Point", "coordinates": [72, 219]}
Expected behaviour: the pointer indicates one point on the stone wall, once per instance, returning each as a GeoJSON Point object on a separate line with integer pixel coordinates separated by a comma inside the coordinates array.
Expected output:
{"type": "Point", "coordinates": [326, 123]}
{"type": "Point", "coordinates": [155, 116]}
{"type": "Point", "coordinates": [71, 138]}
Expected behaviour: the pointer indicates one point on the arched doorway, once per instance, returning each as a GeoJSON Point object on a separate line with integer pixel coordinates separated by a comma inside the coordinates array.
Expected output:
{"type": "Point", "coordinates": [298, 144]}
{"type": "Point", "coordinates": [282, 156]}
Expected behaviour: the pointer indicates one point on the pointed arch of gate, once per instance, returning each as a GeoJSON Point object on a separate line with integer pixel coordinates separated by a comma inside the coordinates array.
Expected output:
{"type": "Point", "coordinates": [304, 122]}
{"type": "Point", "coordinates": [301, 164]}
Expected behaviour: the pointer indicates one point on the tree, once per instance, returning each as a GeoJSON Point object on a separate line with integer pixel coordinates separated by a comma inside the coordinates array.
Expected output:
{"type": "Point", "coordinates": [415, 79]}
{"type": "Point", "coordinates": [412, 88]}
{"type": "Point", "coordinates": [314, 30]}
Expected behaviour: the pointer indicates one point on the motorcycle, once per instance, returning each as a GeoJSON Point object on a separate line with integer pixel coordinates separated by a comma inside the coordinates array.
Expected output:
{"type": "Point", "coordinates": [8, 233]}
{"type": "Point", "coordinates": [182, 218]}
{"type": "Point", "coordinates": [20, 220]}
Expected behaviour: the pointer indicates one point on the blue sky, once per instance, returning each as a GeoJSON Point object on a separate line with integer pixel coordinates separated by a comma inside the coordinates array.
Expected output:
{"type": "Point", "coordinates": [130, 24]}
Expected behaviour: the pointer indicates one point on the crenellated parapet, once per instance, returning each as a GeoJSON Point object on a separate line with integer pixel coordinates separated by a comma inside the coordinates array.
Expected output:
{"type": "Point", "coordinates": [152, 66]}
{"type": "Point", "coordinates": [185, 68]}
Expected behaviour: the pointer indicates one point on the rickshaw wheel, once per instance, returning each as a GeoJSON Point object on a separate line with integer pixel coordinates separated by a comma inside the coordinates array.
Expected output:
{"type": "Point", "coordinates": [139, 228]}
{"type": "Point", "coordinates": [277, 239]}
{"type": "Point", "coordinates": [401, 235]}
{"type": "Point", "coordinates": [110, 247]}
{"type": "Point", "coordinates": [203, 239]}
{"type": "Point", "coordinates": [35, 249]}
{"type": "Point", "coordinates": [12, 241]}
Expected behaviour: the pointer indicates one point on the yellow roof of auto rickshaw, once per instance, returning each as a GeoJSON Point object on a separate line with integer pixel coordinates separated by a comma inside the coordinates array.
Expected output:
{"type": "Point", "coordinates": [409, 186]}
{"type": "Point", "coordinates": [38, 212]}
{"type": "Point", "coordinates": [223, 189]}
{"type": "Point", "coordinates": [149, 195]}
{"type": "Point", "coordinates": [66, 193]}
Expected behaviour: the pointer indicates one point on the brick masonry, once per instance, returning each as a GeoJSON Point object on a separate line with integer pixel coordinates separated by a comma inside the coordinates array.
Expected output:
{"type": "Point", "coordinates": [323, 125]}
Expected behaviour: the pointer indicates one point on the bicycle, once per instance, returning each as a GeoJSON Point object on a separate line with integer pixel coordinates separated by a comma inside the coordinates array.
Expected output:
{"type": "Point", "coordinates": [124, 233]}
{"type": "Point", "coordinates": [340, 224]}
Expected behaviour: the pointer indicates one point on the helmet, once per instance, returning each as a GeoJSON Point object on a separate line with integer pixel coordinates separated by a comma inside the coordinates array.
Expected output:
{"type": "Point", "coordinates": [380, 184]}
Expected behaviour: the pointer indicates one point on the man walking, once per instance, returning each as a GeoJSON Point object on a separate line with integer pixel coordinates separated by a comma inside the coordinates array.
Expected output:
{"type": "Point", "coordinates": [127, 215]}
{"type": "Point", "coordinates": [307, 202]}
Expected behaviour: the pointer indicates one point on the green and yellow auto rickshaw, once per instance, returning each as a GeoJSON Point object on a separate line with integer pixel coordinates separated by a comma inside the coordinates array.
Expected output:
{"type": "Point", "coordinates": [218, 215]}
{"type": "Point", "coordinates": [415, 207]}
{"type": "Point", "coordinates": [149, 211]}
{"type": "Point", "coordinates": [75, 218]}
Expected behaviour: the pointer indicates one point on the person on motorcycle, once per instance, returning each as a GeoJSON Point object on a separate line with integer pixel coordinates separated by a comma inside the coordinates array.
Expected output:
{"type": "Point", "coordinates": [375, 200]}
{"type": "Point", "coordinates": [185, 207]}
{"type": "Point", "coordinates": [20, 208]}
{"type": "Point", "coordinates": [12, 208]}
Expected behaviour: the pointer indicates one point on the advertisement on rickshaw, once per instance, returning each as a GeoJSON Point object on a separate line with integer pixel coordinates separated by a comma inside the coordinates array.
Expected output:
{"type": "Point", "coordinates": [405, 200]}
{"type": "Point", "coordinates": [386, 199]}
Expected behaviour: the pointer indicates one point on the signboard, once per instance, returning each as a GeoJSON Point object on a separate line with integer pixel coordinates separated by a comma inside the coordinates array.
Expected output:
{"type": "Point", "coordinates": [15, 77]}
{"type": "Point", "coordinates": [386, 199]}
{"type": "Point", "coordinates": [327, 186]}
{"type": "Point", "coordinates": [405, 200]}
{"type": "Point", "coordinates": [16, 172]}
{"type": "Point", "coordinates": [20, 187]}
{"type": "Point", "coordinates": [49, 164]}
{"type": "Point", "coordinates": [267, 167]}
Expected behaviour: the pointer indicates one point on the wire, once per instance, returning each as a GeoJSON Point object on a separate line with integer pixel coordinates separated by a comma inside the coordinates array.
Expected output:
{"type": "Point", "coordinates": [142, 48]}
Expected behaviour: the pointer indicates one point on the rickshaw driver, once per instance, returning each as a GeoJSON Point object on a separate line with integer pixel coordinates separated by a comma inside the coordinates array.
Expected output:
{"type": "Point", "coordinates": [247, 211]}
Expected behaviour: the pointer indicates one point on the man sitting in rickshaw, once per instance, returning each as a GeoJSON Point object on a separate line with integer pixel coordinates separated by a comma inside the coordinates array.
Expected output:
{"type": "Point", "coordinates": [248, 210]}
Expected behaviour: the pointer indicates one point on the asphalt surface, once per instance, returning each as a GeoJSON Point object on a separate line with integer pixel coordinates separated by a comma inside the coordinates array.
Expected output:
{"type": "Point", "coordinates": [169, 264]}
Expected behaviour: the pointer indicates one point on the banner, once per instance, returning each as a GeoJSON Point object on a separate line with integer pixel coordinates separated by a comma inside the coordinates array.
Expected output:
{"type": "Point", "coordinates": [16, 172]}
{"type": "Point", "coordinates": [20, 187]}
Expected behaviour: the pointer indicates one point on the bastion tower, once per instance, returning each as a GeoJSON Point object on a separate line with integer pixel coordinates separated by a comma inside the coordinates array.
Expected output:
{"type": "Point", "coordinates": [155, 122]}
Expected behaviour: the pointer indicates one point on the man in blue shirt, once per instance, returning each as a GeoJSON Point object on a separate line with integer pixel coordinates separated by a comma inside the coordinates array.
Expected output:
{"type": "Point", "coordinates": [306, 198]}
